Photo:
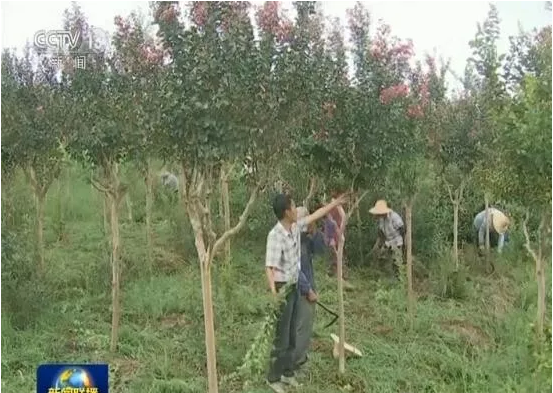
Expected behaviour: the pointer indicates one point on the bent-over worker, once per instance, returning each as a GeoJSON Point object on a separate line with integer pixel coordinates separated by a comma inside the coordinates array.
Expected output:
{"type": "Point", "coordinates": [390, 232]}
{"type": "Point", "coordinates": [499, 224]}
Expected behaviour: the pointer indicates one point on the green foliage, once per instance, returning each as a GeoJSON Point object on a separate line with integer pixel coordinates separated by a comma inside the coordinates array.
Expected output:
{"type": "Point", "coordinates": [202, 101]}
{"type": "Point", "coordinates": [526, 151]}
{"type": "Point", "coordinates": [25, 295]}
{"type": "Point", "coordinates": [525, 125]}
{"type": "Point", "coordinates": [33, 116]}
{"type": "Point", "coordinates": [485, 57]}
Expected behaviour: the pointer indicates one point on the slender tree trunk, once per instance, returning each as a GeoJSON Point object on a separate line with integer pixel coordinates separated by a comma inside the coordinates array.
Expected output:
{"type": "Point", "coordinates": [360, 236]}
{"type": "Point", "coordinates": [209, 327]}
{"type": "Point", "coordinates": [540, 279]}
{"type": "Point", "coordinates": [148, 179]}
{"type": "Point", "coordinates": [226, 207]}
{"type": "Point", "coordinates": [195, 199]}
{"type": "Point", "coordinates": [456, 198]}
{"type": "Point", "coordinates": [106, 214]}
{"type": "Point", "coordinates": [456, 233]}
{"type": "Point", "coordinates": [341, 312]}
{"type": "Point", "coordinates": [409, 256]}
{"type": "Point", "coordinates": [60, 225]}
{"type": "Point", "coordinates": [207, 296]}
{"type": "Point", "coordinates": [40, 200]}
{"type": "Point", "coordinates": [487, 210]}
{"type": "Point", "coordinates": [39, 193]}
{"type": "Point", "coordinates": [310, 192]}
{"type": "Point", "coordinates": [221, 210]}
{"type": "Point", "coordinates": [114, 198]}
{"type": "Point", "coordinates": [115, 272]}
{"type": "Point", "coordinates": [540, 273]}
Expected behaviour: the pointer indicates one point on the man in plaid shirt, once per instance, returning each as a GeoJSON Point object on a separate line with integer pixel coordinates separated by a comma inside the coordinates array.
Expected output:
{"type": "Point", "coordinates": [283, 266]}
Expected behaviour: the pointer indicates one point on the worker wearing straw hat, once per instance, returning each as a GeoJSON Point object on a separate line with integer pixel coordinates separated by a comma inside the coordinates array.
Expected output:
{"type": "Point", "coordinates": [390, 232]}
{"type": "Point", "coordinates": [499, 224]}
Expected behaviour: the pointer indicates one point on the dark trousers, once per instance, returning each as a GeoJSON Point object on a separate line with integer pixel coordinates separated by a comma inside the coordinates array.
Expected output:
{"type": "Point", "coordinates": [284, 345]}
{"type": "Point", "coordinates": [304, 329]}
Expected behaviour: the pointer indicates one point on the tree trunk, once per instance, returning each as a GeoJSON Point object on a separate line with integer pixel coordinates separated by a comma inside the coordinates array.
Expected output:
{"type": "Point", "coordinates": [409, 256]}
{"type": "Point", "coordinates": [115, 271]}
{"type": "Point", "coordinates": [540, 279]}
{"type": "Point", "coordinates": [540, 273]}
{"type": "Point", "coordinates": [221, 210]}
{"type": "Point", "coordinates": [310, 192]}
{"type": "Point", "coordinates": [487, 210]}
{"type": "Point", "coordinates": [226, 208]}
{"type": "Point", "coordinates": [456, 233]}
{"type": "Point", "coordinates": [209, 327]}
{"type": "Point", "coordinates": [106, 214]}
{"type": "Point", "coordinates": [360, 236]}
{"type": "Point", "coordinates": [60, 225]}
{"type": "Point", "coordinates": [341, 312]}
{"type": "Point", "coordinates": [207, 296]}
{"type": "Point", "coordinates": [195, 199]}
{"type": "Point", "coordinates": [40, 200]}
{"type": "Point", "coordinates": [456, 198]}
{"type": "Point", "coordinates": [128, 203]}
{"type": "Point", "coordinates": [39, 192]}
{"type": "Point", "coordinates": [114, 195]}
{"type": "Point", "coordinates": [148, 179]}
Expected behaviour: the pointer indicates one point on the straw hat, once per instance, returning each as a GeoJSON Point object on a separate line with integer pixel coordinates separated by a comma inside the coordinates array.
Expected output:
{"type": "Point", "coordinates": [380, 207]}
{"type": "Point", "coordinates": [500, 222]}
{"type": "Point", "coordinates": [347, 347]}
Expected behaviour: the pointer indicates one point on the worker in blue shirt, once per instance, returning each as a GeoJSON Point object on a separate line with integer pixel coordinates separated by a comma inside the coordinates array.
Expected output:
{"type": "Point", "coordinates": [499, 225]}
{"type": "Point", "coordinates": [312, 243]}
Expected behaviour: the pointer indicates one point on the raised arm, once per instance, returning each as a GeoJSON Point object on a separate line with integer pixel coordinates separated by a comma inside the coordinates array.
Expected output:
{"type": "Point", "coordinates": [379, 242]}
{"type": "Point", "coordinates": [323, 211]}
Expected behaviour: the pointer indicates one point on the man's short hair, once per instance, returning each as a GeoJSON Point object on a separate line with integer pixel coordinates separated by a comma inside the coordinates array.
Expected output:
{"type": "Point", "coordinates": [281, 203]}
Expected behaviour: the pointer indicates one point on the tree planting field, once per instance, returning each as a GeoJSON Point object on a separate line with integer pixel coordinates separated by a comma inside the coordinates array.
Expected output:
{"type": "Point", "coordinates": [480, 341]}
{"type": "Point", "coordinates": [103, 263]}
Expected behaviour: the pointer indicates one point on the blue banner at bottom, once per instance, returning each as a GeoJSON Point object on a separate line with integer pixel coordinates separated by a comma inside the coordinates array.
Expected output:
{"type": "Point", "coordinates": [72, 378]}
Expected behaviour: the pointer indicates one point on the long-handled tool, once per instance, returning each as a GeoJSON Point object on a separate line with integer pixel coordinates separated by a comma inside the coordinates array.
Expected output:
{"type": "Point", "coordinates": [349, 348]}
{"type": "Point", "coordinates": [330, 312]}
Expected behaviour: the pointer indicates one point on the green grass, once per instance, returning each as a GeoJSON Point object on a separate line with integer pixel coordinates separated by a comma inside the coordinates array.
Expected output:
{"type": "Point", "coordinates": [480, 342]}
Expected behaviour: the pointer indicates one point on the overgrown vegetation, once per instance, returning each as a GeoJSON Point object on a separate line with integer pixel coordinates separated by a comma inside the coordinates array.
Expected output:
{"type": "Point", "coordinates": [113, 276]}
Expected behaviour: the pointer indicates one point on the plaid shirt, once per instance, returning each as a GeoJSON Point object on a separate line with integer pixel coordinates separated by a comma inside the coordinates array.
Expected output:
{"type": "Point", "coordinates": [284, 251]}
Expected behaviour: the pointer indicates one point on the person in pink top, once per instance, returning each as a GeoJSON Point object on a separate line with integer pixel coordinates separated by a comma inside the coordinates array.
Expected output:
{"type": "Point", "coordinates": [334, 225]}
